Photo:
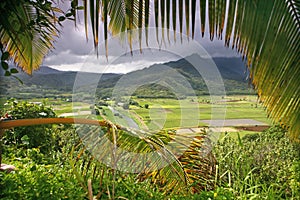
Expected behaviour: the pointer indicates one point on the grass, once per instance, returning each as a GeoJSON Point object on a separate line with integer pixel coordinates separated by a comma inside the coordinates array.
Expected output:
{"type": "Point", "coordinates": [236, 135]}
{"type": "Point", "coordinates": [262, 166]}
{"type": "Point", "coordinates": [173, 112]}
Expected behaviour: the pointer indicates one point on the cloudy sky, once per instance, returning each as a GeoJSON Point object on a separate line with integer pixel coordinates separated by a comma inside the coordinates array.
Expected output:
{"type": "Point", "coordinates": [73, 52]}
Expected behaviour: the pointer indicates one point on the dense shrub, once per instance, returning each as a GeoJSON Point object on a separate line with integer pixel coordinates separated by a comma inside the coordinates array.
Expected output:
{"type": "Point", "coordinates": [33, 180]}
{"type": "Point", "coordinates": [29, 137]}
{"type": "Point", "coordinates": [40, 175]}
{"type": "Point", "coordinates": [259, 166]}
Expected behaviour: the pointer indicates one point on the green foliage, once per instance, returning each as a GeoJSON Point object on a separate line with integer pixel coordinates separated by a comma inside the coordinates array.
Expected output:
{"type": "Point", "coordinates": [39, 175]}
{"type": "Point", "coordinates": [217, 194]}
{"type": "Point", "coordinates": [28, 29]}
{"type": "Point", "coordinates": [29, 137]}
{"type": "Point", "coordinates": [294, 181]}
{"type": "Point", "coordinates": [164, 172]}
{"type": "Point", "coordinates": [264, 32]}
{"type": "Point", "coordinates": [35, 179]}
{"type": "Point", "coordinates": [125, 106]}
{"type": "Point", "coordinates": [4, 64]}
{"type": "Point", "coordinates": [259, 166]}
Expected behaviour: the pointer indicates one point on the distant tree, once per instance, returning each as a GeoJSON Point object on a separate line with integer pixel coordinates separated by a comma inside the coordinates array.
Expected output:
{"type": "Point", "coordinates": [126, 106]}
{"type": "Point", "coordinates": [147, 106]}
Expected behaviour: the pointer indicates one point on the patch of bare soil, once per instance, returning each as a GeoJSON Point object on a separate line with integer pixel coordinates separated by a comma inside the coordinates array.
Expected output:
{"type": "Point", "coordinates": [253, 128]}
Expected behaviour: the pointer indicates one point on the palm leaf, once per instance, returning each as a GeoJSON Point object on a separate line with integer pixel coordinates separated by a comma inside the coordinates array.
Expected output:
{"type": "Point", "coordinates": [193, 17]}
{"type": "Point", "coordinates": [140, 23]}
{"type": "Point", "coordinates": [156, 18]}
{"type": "Point", "coordinates": [221, 17]}
{"type": "Point", "coordinates": [97, 15]}
{"type": "Point", "coordinates": [92, 18]}
{"type": "Point", "coordinates": [202, 15]}
{"type": "Point", "coordinates": [85, 13]}
{"type": "Point", "coordinates": [130, 14]}
{"type": "Point", "coordinates": [187, 17]}
{"type": "Point", "coordinates": [27, 31]}
{"type": "Point", "coordinates": [162, 15]}
{"type": "Point", "coordinates": [180, 17]}
{"type": "Point", "coordinates": [174, 6]}
{"type": "Point", "coordinates": [117, 13]}
{"type": "Point", "coordinates": [168, 7]}
{"type": "Point", "coordinates": [271, 46]}
{"type": "Point", "coordinates": [211, 18]}
{"type": "Point", "coordinates": [171, 160]}
{"type": "Point", "coordinates": [105, 16]}
{"type": "Point", "coordinates": [147, 13]}
{"type": "Point", "coordinates": [229, 25]}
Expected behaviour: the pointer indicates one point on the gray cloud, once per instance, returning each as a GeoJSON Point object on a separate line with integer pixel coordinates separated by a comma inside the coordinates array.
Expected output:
{"type": "Point", "coordinates": [73, 52]}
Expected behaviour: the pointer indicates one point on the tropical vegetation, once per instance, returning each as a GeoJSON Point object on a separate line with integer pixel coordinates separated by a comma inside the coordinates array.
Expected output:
{"type": "Point", "coordinates": [256, 166]}
{"type": "Point", "coordinates": [265, 33]}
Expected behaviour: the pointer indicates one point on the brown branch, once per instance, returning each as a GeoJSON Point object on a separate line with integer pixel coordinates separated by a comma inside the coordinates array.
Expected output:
{"type": "Point", "coordinates": [7, 124]}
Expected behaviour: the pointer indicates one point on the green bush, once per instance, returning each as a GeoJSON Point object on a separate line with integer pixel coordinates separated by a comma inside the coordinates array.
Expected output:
{"type": "Point", "coordinates": [294, 181]}
{"type": "Point", "coordinates": [260, 166]}
{"type": "Point", "coordinates": [39, 175]}
{"type": "Point", "coordinates": [32, 180]}
{"type": "Point", "coordinates": [29, 137]}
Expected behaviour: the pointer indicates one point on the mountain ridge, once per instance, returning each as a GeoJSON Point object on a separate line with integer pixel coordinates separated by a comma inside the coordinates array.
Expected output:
{"type": "Point", "coordinates": [232, 70]}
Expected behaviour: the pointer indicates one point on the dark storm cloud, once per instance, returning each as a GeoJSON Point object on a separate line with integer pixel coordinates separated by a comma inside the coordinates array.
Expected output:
{"type": "Point", "coordinates": [73, 52]}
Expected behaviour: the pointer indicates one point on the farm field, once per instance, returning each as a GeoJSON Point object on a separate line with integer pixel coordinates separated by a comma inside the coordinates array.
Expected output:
{"type": "Point", "coordinates": [231, 145]}
{"type": "Point", "coordinates": [170, 113]}
{"type": "Point", "coordinates": [234, 108]}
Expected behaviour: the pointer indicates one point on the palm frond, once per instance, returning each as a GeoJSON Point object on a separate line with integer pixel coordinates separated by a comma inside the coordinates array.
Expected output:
{"type": "Point", "coordinates": [266, 34]}
{"type": "Point", "coordinates": [180, 17]}
{"type": "Point", "coordinates": [174, 17]}
{"type": "Point", "coordinates": [211, 18]}
{"type": "Point", "coordinates": [156, 2]}
{"type": "Point", "coordinates": [273, 51]}
{"type": "Point", "coordinates": [27, 31]}
{"type": "Point", "coordinates": [162, 16]}
{"type": "Point", "coordinates": [140, 25]}
{"type": "Point", "coordinates": [117, 13]}
{"type": "Point", "coordinates": [202, 15]}
{"type": "Point", "coordinates": [85, 13]}
{"type": "Point", "coordinates": [173, 161]}
{"type": "Point", "coordinates": [105, 16]}
{"type": "Point", "coordinates": [187, 18]}
{"type": "Point", "coordinates": [168, 10]}
{"type": "Point", "coordinates": [147, 13]}
{"type": "Point", "coordinates": [229, 25]}
{"type": "Point", "coordinates": [193, 17]}
{"type": "Point", "coordinates": [92, 18]}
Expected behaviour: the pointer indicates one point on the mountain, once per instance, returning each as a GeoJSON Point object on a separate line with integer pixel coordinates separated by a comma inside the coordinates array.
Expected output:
{"type": "Point", "coordinates": [184, 77]}
{"type": "Point", "coordinates": [49, 78]}
{"type": "Point", "coordinates": [231, 68]}
{"type": "Point", "coordinates": [46, 70]}
{"type": "Point", "coordinates": [158, 80]}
